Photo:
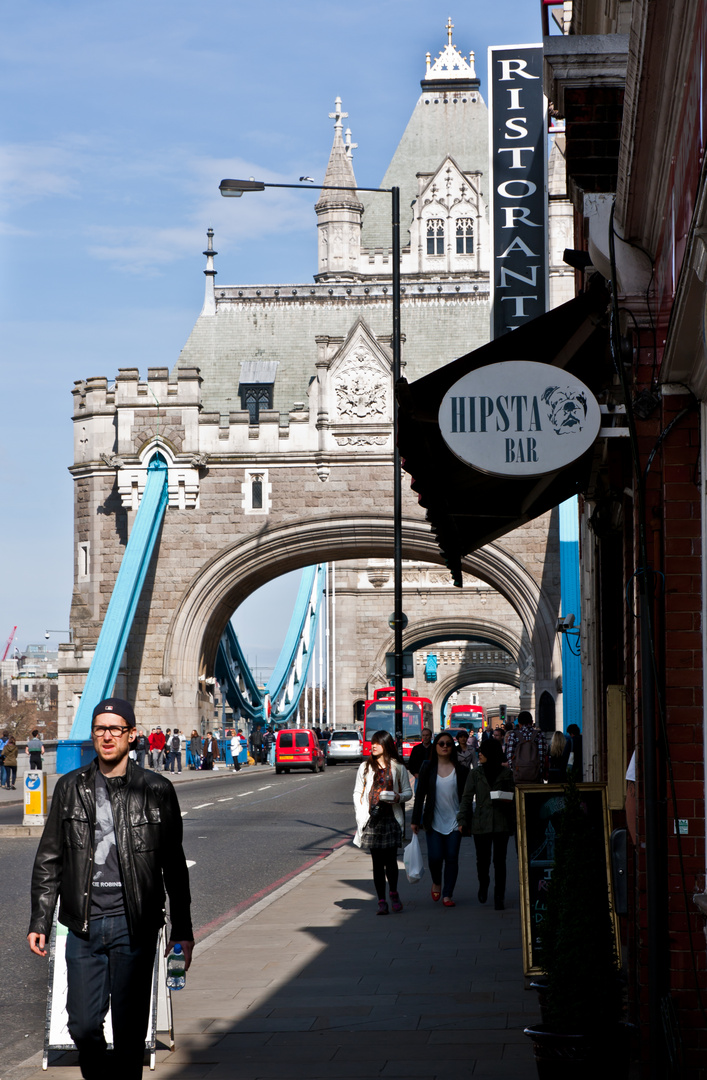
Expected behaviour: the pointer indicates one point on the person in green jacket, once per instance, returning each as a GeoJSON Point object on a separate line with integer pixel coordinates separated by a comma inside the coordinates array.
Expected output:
{"type": "Point", "coordinates": [492, 820]}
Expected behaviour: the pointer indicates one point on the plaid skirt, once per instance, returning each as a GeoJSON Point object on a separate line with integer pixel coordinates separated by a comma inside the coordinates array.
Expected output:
{"type": "Point", "coordinates": [381, 832]}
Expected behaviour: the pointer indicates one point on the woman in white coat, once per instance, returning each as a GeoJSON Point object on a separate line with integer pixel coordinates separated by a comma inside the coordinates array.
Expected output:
{"type": "Point", "coordinates": [381, 791]}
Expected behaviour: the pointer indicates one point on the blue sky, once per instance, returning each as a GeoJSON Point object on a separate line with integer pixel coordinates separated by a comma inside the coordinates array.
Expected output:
{"type": "Point", "coordinates": [118, 122]}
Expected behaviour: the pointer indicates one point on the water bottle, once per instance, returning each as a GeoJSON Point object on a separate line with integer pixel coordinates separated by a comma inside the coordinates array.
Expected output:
{"type": "Point", "coordinates": [176, 970]}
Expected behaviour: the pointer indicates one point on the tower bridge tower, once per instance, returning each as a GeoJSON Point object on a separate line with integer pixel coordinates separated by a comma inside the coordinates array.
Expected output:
{"type": "Point", "coordinates": [276, 427]}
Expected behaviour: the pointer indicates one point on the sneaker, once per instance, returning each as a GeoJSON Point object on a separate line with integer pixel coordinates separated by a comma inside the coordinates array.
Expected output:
{"type": "Point", "coordinates": [382, 908]}
{"type": "Point", "coordinates": [395, 901]}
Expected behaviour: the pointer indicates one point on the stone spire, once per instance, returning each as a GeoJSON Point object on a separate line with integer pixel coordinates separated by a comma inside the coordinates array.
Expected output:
{"type": "Point", "coordinates": [340, 168]}
{"type": "Point", "coordinates": [209, 307]}
{"type": "Point", "coordinates": [339, 212]}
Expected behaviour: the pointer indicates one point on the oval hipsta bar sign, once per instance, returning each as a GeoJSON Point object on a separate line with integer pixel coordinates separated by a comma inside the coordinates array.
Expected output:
{"type": "Point", "coordinates": [519, 418]}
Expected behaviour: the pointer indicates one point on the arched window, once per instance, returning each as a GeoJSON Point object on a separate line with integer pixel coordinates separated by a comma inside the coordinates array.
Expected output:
{"type": "Point", "coordinates": [254, 398]}
{"type": "Point", "coordinates": [435, 236]}
{"type": "Point", "coordinates": [546, 712]}
{"type": "Point", "coordinates": [465, 236]}
{"type": "Point", "coordinates": [256, 490]}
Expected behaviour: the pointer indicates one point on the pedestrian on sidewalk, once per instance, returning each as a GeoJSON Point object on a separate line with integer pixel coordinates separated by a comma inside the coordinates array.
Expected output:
{"type": "Point", "coordinates": [195, 749]}
{"type": "Point", "coordinates": [492, 820]}
{"type": "Point", "coordinates": [256, 744]}
{"type": "Point", "coordinates": [210, 751]}
{"type": "Point", "coordinates": [466, 754]}
{"type": "Point", "coordinates": [437, 799]}
{"type": "Point", "coordinates": [526, 751]}
{"type": "Point", "coordinates": [116, 830]}
{"type": "Point", "coordinates": [167, 749]}
{"type": "Point", "coordinates": [236, 750]}
{"type": "Point", "coordinates": [141, 745]}
{"type": "Point", "coordinates": [3, 775]}
{"type": "Point", "coordinates": [157, 741]}
{"type": "Point", "coordinates": [559, 754]}
{"type": "Point", "coordinates": [420, 752]}
{"type": "Point", "coordinates": [382, 788]}
{"type": "Point", "coordinates": [35, 749]}
{"type": "Point", "coordinates": [175, 751]}
{"type": "Point", "coordinates": [10, 754]}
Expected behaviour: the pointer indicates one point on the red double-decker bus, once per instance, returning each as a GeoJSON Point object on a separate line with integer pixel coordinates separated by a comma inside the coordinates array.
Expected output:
{"type": "Point", "coordinates": [379, 715]}
{"type": "Point", "coordinates": [467, 716]}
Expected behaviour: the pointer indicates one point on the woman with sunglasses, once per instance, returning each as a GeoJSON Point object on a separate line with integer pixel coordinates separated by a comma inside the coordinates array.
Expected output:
{"type": "Point", "coordinates": [491, 819]}
{"type": "Point", "coordinates": [439, 789]}
{"type": "Point", "coordinates": [380, 793]}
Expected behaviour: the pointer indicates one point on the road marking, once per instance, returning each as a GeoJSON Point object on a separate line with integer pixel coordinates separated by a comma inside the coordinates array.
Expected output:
{"type": "Point", "coordinates": [191, 862]}
{"type": "Point", "coordinates": [227, 799]}
{"type": "Point", "coordinates": [184, 813]}
{"type": "Point", "coordinates": [242, 793]}
{"type": "Point", "coordinates": [202, 805]}
{"type": "Point", "coordinates": [264, 788]}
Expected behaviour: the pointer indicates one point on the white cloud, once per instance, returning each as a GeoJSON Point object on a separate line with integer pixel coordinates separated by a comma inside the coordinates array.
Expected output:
{"type": "Point", "coordinates": [193, 197]}
{"type": "Point", "coordinates": [33, 171]}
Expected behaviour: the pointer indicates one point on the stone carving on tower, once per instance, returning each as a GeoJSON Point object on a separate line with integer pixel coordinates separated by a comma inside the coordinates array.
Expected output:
{"type": "Point", "coordinates": [354, 389]}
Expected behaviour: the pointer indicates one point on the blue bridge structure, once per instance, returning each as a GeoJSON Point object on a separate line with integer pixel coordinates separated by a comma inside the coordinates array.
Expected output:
{"type": "Point", "coordinates": [277, 702]}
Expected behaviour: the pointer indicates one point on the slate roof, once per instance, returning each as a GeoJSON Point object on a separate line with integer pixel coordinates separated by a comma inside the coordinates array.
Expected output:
{"type": "Point", "coordinates": [448, 122]}
{"type": "Point", "coordinates": [437, 328]}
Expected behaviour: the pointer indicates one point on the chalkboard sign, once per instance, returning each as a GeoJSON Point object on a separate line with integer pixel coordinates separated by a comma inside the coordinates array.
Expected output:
{"type": "Point", "coordinates": [540, 809]}
{"type": "Point", "coordinates": [56, 1029]}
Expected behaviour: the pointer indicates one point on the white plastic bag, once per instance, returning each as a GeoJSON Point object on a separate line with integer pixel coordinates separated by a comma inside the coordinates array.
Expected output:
{"type": "Point", "coordinates": [412, 858]}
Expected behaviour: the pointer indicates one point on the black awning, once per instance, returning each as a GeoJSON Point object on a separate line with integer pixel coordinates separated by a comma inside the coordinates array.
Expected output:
{"type": "Point", "coordinates": [467, 508]}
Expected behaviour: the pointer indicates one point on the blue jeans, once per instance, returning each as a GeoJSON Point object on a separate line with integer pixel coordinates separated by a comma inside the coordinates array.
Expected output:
{"type": "Point", "coordinates": [444, 850]}
{"type": "Point", "coordinates": [109, 967]}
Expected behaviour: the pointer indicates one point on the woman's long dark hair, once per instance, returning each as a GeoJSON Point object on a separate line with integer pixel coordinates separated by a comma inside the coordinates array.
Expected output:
{"type": "Point", "coordinates": [434, 757]}
{"type": "Point", "coordinates": [390, 750]}
{"type": "Point", "coordinates": [493, 752]}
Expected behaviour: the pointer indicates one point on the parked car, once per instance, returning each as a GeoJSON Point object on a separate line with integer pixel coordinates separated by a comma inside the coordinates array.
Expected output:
{"type": "Point", "coordinates": [298, 748]}
{"type": "Point", "coordinates": [345, 746]}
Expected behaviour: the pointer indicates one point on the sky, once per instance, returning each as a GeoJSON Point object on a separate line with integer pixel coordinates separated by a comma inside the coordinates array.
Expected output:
{"type": "Point", "coordinates": [118, 122]}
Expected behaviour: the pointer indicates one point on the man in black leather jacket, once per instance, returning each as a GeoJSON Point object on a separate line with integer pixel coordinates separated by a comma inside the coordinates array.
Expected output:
{"type": "Point", "coordinates": [111, 845]}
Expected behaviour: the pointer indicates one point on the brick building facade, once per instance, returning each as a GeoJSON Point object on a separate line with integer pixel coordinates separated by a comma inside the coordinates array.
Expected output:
{"type": "Point", "coordinates": [629, 81]}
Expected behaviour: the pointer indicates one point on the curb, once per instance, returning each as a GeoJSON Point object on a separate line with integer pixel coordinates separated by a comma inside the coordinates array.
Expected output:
{"type": "Point", "coordinates": [9, 831]}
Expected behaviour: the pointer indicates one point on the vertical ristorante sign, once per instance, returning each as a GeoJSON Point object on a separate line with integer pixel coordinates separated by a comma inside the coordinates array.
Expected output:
{"type": "Point", "coordinates": [518, 168]}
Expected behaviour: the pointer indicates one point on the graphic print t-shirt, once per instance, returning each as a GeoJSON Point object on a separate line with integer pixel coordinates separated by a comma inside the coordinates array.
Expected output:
{"type": "Point", "coordinates": [107, 888]}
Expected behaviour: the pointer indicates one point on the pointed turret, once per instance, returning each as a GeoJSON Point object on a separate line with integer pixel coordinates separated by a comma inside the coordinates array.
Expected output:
{"type": "Point", "coordinates": [340, 211]}
{"type": "Point", "coordinates": [209, 307]}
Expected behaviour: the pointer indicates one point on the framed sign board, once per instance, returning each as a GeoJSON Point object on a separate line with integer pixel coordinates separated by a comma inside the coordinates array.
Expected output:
{"type": "Point", "coordinates": [56, 1030]}
{"type": "Point", "coordinates": [539, 809]}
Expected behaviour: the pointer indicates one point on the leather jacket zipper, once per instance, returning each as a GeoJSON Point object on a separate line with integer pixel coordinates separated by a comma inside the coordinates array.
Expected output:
{"type": "Point", "coordinates": [89, 878]}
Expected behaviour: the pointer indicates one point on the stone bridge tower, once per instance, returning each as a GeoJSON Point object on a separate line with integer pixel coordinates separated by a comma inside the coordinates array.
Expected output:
{"type": "Point", "coordinates": [276, 426]}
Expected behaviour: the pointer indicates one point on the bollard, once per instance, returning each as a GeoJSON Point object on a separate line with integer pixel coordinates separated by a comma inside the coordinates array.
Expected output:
{"type": "Point", "coordinates": [34, 785]}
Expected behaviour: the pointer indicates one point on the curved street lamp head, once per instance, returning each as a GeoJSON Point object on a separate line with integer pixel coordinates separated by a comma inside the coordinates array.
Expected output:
{"type": "Point", "coordinates": [235, 188]}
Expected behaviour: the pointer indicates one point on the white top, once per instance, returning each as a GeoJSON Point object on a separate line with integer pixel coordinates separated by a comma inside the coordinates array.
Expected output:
{"type": "Point", "coordinates": [444, 819]}
{"type": "Point", "coordinates": [362, 791]}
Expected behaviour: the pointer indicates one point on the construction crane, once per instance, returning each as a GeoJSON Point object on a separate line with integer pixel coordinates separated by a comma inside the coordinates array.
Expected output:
{"type": "Point", "coordinates": [9, 642]}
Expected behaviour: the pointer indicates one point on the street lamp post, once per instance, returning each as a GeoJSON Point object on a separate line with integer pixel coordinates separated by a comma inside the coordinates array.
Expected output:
{"type": "Point", "coordinates": [235, 189]}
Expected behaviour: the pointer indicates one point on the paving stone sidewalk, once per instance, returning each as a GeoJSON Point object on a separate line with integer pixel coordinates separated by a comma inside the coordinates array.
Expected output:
{"type": "Point", "coordinates": [311, 984]}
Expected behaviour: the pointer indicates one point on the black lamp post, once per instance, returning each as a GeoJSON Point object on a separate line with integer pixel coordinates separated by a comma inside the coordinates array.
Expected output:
{"type": "Point", "coordinates": [235, 189]}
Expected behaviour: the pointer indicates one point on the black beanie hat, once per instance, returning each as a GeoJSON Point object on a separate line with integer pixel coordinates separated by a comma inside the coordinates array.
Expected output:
{"type": "Point", "coordinates": [116, 705]}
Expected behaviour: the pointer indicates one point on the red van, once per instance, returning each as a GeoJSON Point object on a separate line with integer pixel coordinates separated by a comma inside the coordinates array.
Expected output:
{"type": "Point", "coordinates": [298, 748]}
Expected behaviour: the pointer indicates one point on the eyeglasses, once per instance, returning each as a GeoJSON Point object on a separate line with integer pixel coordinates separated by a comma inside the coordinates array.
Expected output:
{"type": "Point", "coordinates": [114, 732]}
{"type": "Point", "coordinates": [448, 745]}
